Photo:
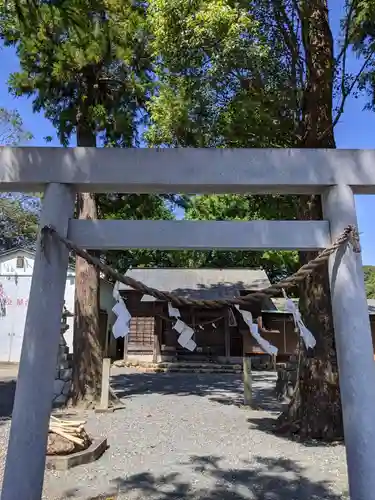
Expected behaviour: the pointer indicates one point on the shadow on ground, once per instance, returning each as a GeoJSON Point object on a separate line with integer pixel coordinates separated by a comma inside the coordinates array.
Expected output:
{"type": "Point", "coordinates": [225, 389]}
{"type": "Point", "coordinates": [7, 391]}
{"type": "Point", "coordinates": [262, 479]}
{"type": "Point", "coordinates": [268, 425]}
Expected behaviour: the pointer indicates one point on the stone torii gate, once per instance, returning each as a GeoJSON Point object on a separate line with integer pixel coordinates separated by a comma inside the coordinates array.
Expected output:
{"type": "Point", "coordinates": [336, 174]}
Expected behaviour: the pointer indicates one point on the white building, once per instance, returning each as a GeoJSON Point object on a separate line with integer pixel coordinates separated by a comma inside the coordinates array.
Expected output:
{"type": "Point", "coordinates": [16, 268]}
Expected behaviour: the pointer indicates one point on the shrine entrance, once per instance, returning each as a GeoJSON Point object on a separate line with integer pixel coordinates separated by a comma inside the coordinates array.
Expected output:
{"type": "Point", "coordinates": [335, 174]}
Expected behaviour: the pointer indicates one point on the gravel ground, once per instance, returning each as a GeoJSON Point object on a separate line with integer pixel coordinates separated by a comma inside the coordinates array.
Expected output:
{"type": "Point", "coordinates": [186, 437]}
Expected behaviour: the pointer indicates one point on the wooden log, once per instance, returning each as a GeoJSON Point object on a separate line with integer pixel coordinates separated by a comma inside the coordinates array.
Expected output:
{"type": "Point", "coordinates": [70, 437]}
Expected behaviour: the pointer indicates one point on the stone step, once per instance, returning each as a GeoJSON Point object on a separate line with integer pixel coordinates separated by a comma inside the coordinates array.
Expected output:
{"type": "Point", "coordinates": [193, 367]}
{"type": "Point", "coordinates": [200, 370]}
{"type": "Point", "coordinates": [211, 366]}
{"type": "Point", "coordinates": [186, 370]}
{"type": "Point", "coordinates": [165, 367]}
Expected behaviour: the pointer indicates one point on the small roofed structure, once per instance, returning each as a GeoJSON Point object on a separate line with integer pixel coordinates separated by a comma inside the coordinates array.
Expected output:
{"type": "Point", "coordinates": [218, 332]}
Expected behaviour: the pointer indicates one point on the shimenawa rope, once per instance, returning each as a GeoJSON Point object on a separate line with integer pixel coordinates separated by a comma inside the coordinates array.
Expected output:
{"type": "Point", "coordinates": [350, 234]}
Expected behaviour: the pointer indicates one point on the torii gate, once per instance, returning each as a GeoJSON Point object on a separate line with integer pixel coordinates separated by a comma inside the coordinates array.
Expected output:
{"type": "Point", "coordinates": [336, 174]}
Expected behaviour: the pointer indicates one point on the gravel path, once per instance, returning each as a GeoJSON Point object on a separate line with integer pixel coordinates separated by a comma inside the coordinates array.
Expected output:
{"type": "Point", "coordinates": [185, 437]}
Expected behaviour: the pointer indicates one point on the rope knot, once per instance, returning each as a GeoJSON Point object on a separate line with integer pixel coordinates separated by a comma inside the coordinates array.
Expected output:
{"type": "Point", "coordinates": [353, 238]}
{"type": "Point", "coordinates": [45, 233]}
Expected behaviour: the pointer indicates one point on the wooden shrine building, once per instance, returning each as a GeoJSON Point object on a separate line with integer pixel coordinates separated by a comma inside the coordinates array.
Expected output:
{"type": "Point", "coordinates": [220, 334]}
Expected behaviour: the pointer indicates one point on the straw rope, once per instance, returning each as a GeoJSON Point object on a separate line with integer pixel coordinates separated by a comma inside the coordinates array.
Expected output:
{"type": "Point", "coordinates": [349, 235]}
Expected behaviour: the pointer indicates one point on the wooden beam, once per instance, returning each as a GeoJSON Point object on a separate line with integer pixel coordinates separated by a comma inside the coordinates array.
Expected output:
{"type": "Point", "coordinates": [186, 170]}
{"type": "Point", "coordinates": [199, 235]}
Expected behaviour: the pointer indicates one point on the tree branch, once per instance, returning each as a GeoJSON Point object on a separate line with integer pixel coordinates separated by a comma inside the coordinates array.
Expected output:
{"type": "Point", "coordinates": [343, 52]}
{"type": "Point", "coordinates": [346, 94]}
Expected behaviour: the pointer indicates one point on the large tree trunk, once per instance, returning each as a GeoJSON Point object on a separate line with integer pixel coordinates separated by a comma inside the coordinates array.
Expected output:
{"type": "Point", "coordinates": [315, 409]}
{"type": "Point", "coordinates": [87, 349]}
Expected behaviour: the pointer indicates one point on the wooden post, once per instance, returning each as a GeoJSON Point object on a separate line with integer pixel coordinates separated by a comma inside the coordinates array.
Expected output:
{"type": "Point", "coordinates": [107, 341]}
{"type": "Point", "coordinates": [126, 343]}
{"type": "Point", "coordinates": [247, 380]}
{"type": "Point", "coordinates": [193, 319]}
{"type": "Point", "coordinates": [106, 373]}
{"type": "Point", "coordinates": [104, 406]}
{"type": "Point", "coordinates": [227, 336]}
{"type": "Point", "coordinates": [156, 349]}
{"type": "Point", "coordinates": [354, 347]}
{"type": "Point", "coordinates": [274, 362]}
{"type": "Point", "coordinates": [24, 469]}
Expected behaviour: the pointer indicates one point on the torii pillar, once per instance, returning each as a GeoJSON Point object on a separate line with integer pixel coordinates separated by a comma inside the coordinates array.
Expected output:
{"type": "Point", "coordinates": [24, 469]}
{"type": "Point", "coordinates": [354, 346]}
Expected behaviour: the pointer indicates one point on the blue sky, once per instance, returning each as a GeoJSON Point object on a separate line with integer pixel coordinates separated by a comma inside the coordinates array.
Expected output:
{"type": "Point", "coordinates": [356, 129]}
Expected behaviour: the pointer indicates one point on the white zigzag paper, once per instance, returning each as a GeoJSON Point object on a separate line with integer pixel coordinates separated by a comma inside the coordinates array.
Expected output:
{"type": "Point", "coordinates": [305, 333]}
{"type": "Point", "coordinates": [173, 311]}
{"type": "Point", "coordinates": [253, 327]}
{"type": "Point", "coordinates": [122, 323]}
{"type": "Point", "coordinates": [185, 338]}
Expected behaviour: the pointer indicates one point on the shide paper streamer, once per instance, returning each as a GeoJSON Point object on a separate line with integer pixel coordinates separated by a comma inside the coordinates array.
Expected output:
{"type": "Point", "coordinates": [186, 333]}
{"type": "Point", "coordinates": [254, 330]}
{"type": "Point", "coordinates": [122, 323]}
{"type": "Point", "coordinates": [305, 333]}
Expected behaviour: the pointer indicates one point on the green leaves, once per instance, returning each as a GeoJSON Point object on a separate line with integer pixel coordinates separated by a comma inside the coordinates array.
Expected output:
{"type": "Point", "coordinates": [219, 77]}
{"type": "Point", "coordinates": [239, 207]}
{"type": "Point", "coordinates": [18, 225]}
{"type": "Point", "coordinates": [369, 273]}
{"type": "Point", "coordinates": [362, 37]}
{"type": "Point", "coordinates": [94, 74]}
{"type": "Point", "coordinates": [223, 80]}
{"type": "Point", "coordinates": [135, 207]}
{"type": "Point", "coordinates": [12, 132]}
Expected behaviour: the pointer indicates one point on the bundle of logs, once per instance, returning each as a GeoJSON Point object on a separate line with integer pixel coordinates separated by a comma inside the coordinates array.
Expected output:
{"type": "Point", "coordinates": [66, 436]}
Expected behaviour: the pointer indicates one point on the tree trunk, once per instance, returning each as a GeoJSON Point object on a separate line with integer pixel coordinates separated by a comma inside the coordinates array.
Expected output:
{"type": "Point", "coordinates": [87, 350]}
{"type": "Point", "coordinates": [315, 409]}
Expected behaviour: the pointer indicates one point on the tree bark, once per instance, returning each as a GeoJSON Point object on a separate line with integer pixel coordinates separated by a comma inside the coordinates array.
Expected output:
{"type": "Point", "coordinates": [87, 350]}
{"type": "Point", "coordinates": [315, 409]}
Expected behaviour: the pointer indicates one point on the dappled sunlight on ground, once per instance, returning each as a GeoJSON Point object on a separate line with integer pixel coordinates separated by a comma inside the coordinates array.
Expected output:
{"type": "Point", "coordinates": [188, 437]}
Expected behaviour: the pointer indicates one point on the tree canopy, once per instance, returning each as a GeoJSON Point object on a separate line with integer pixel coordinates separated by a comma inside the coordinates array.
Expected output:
{"type": "Point", "coordinates": [222, 76]}
{"type": "Point", "coordinates": [238, 207]}
{"type": "Point", "coordinates": [18, 226]}
{"type": "Point", "coordinates": [18, 212]}
{"type": "Point", "coordinates": [92, 78]}
{"type": "Point", "coordinates": [12, 131]}
{"type": "Point", "coordinates": [369, 272]}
